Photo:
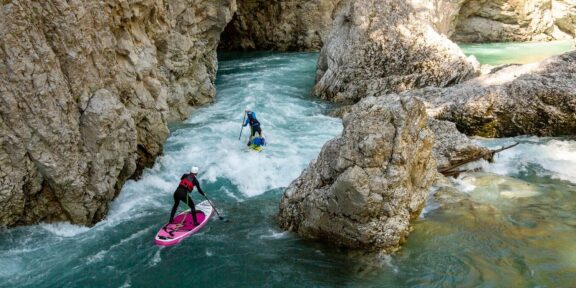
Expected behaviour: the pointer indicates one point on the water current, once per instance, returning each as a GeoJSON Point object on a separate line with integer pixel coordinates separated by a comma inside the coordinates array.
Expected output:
{"type": "Point", "coordinates": [511, 226]}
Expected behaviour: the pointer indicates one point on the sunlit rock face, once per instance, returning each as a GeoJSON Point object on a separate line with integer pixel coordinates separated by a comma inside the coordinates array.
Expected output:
{"type": "Point", "coordinates": [380, 47]}
{"type": "Point", "coordinates": [452, 147]}
{"type": "Point", "coordinates": [280, 25]}
{"type": "Point", "coordinates": [523, 20]}
{"type": "Point", "coordinates": [532, 99]}
{"type": "Point", "coordinates": [87, 89]}
{"type": "Point", "coordinates": [366, 186]}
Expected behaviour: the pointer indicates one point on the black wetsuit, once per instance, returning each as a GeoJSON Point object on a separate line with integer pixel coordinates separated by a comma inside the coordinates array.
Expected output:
{"type": "Point", "coordinates": [187, 184]}
{"type": "Point", "coordinates": [255, 127]}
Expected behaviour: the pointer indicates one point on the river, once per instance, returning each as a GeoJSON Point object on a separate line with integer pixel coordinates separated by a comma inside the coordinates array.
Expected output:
{"type": "Point", "coordinates": [511, 226]}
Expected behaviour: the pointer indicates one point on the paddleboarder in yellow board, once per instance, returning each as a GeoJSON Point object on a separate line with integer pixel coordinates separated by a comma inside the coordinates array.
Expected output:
{"type": "Point", "coordinates": [254, 125]}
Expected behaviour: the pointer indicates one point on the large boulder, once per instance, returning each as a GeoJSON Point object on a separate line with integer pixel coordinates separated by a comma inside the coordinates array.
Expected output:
{"type": "Point", "coordinates": [380, 47]}
{"type": "Point", "coordinates": [366, 186]}
{"type": "Point", "coordinates": [86, 91]}
{"type": "Point", "coordinates": [533, 99]}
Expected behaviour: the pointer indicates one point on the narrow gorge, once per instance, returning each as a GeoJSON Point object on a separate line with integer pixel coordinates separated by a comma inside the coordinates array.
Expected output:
{"type": "Point", "coordinates": [105, 104]}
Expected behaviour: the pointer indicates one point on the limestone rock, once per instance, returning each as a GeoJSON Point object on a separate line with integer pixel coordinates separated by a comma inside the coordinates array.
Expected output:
{"type": "Point", "coordinates": [280, 25]}
{"type": "Point", "coordinates": [564, 14]}
{"type": "Point", "coordinates": [506, 21]}
{"type": "Point", "coordinates": [366, 186]}
{"type": "Point", "coordinates": [380, 47]}
{"type": "Point", "coordinates": [86, 91]}
{"type": "Point", "coordinates": [451, 146]}
{"type": "Point", "coordinates": [533, 99]}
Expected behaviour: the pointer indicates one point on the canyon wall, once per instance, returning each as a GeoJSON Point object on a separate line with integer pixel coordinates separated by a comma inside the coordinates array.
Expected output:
{"type": "Point", "coordinates": [281, 25]}
{"type": "Point", "coordinates": [87, 89]}
{"type": "Point", "coordinates": [519, 20]}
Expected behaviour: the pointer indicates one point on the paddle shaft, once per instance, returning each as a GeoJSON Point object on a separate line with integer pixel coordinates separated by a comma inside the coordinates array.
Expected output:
{"type": "Point", "coordinates": [217, 213]}
{"type": "Point", "coordinates": [241, 129]}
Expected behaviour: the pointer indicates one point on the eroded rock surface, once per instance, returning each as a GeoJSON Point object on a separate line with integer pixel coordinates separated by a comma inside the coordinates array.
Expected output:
{"type": "Point", "coordinates": [452, 147]}
{"type": "Point", "coordinates": [380, 47]}
{"type": "Point", "coordinates": [366, 186]}
{"type": "Point", "coordinates": [280, 25]}
{"type": "Point", "coordinates": [523, 20]}
{"type": "Point", "coordinates": [87, 89]}
{"type": "Point", "coordinates": [533, 99]}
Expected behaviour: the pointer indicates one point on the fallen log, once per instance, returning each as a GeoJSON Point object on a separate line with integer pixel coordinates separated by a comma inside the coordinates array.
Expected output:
{"type": "Point", "coordinates": [489, 156]}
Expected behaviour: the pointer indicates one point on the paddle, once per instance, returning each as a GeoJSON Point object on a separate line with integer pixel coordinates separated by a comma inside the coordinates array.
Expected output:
{"type": "Point", "coordinates": [217, 213]}
{"type": "Point", "coordinates": [239, 137]}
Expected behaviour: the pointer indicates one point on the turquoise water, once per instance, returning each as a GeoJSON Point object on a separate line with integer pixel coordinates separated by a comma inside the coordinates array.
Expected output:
{"type": "Point", "coordinates": [516, 53]}
{"type": "Point", "coordinates": [245, 186]}
{"type": "Point", "coordinates": [512, 226]}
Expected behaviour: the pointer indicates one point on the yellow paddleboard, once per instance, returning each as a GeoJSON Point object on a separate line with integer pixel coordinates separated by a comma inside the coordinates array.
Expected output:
{"type": "Point", "coordinates": [256, 147]}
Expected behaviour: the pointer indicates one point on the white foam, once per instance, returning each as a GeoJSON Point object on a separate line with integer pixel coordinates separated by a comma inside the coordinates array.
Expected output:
{"type": "Point", "coordinates": [275, 235]}
{"type": "Point", "coordinates": [431, 203]}
{"type": "Point", "coordinates": [387, 260]}
{"type": "Point", "coordinates": [231, 195]}
{"type": "Point", "coordinates": [64, 229]}
{"type": "Point", "coordinates": [555, 158]}
{"type": "Point", "coordinates": [100, 255]}
{"type": "Point", "coordinates": [127, 283]}
{"type": "Point", "coordinates": [464, 184]}
{"type": "Point", "coordinates": [156, 259]}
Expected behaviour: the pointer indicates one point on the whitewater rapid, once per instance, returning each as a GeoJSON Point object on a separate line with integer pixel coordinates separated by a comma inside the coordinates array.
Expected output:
{"type": "Point", "coordinates": [275, 86]}
{"type": "Point", "coordinates": [499, 237]}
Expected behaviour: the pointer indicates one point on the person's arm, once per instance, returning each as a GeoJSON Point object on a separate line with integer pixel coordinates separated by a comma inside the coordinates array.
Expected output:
{"type": "Point", "coordinates": [183, 176]}
{"type": "Point", "coordinates": [246, 122]}
{"type": "Point", "coordinates": [197, 184]}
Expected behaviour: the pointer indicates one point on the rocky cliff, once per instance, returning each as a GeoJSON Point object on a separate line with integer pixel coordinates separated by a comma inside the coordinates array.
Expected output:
{"type": "Point", "coordinates": [380, 47]}
{"type": "Point", "coordinates": [280, 25]}
{"type": "Point", "coordinates": [368, 184]}
{"type": "Point", "coordinates": [532, 99]}
{"type": "Point", "coordinates": [294, 25]}
{"type": "Point", "coordinates": [520, 20]}
{"type": "Point", "coordinates": [87, 89]}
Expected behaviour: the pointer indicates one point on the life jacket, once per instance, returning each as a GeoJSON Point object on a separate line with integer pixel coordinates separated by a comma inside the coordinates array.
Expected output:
{"type": "Point", "coordinates": [253, 121]}
{"type": "Point", "coordinates": [188, 182]}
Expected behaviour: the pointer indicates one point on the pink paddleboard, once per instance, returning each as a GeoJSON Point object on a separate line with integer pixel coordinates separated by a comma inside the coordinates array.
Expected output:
{"type": "Point", "coordinates": [172, 234]}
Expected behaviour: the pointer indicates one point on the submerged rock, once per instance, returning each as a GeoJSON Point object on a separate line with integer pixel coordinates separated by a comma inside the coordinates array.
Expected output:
{"type": "Point", "coordinates": [380, 47]}
{"type": "Point", "coordinates": [366, 186]}
{"type": "Point", "coordinates": [492, 188]}
{"type": "Point", "coordinates": [87, 89]}
{"type": "Point", "coordinates": [535, 99]}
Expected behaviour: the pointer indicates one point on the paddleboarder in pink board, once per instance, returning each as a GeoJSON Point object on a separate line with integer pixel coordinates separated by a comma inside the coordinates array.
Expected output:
{"type": "Point", "coordinates": [187, 183]}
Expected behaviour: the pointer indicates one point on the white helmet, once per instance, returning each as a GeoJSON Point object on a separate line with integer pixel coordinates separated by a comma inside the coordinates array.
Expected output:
{"type": "Point", "coordinates": [248, 109]}
{"type": "Point", "coordinates": [194, 170]}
